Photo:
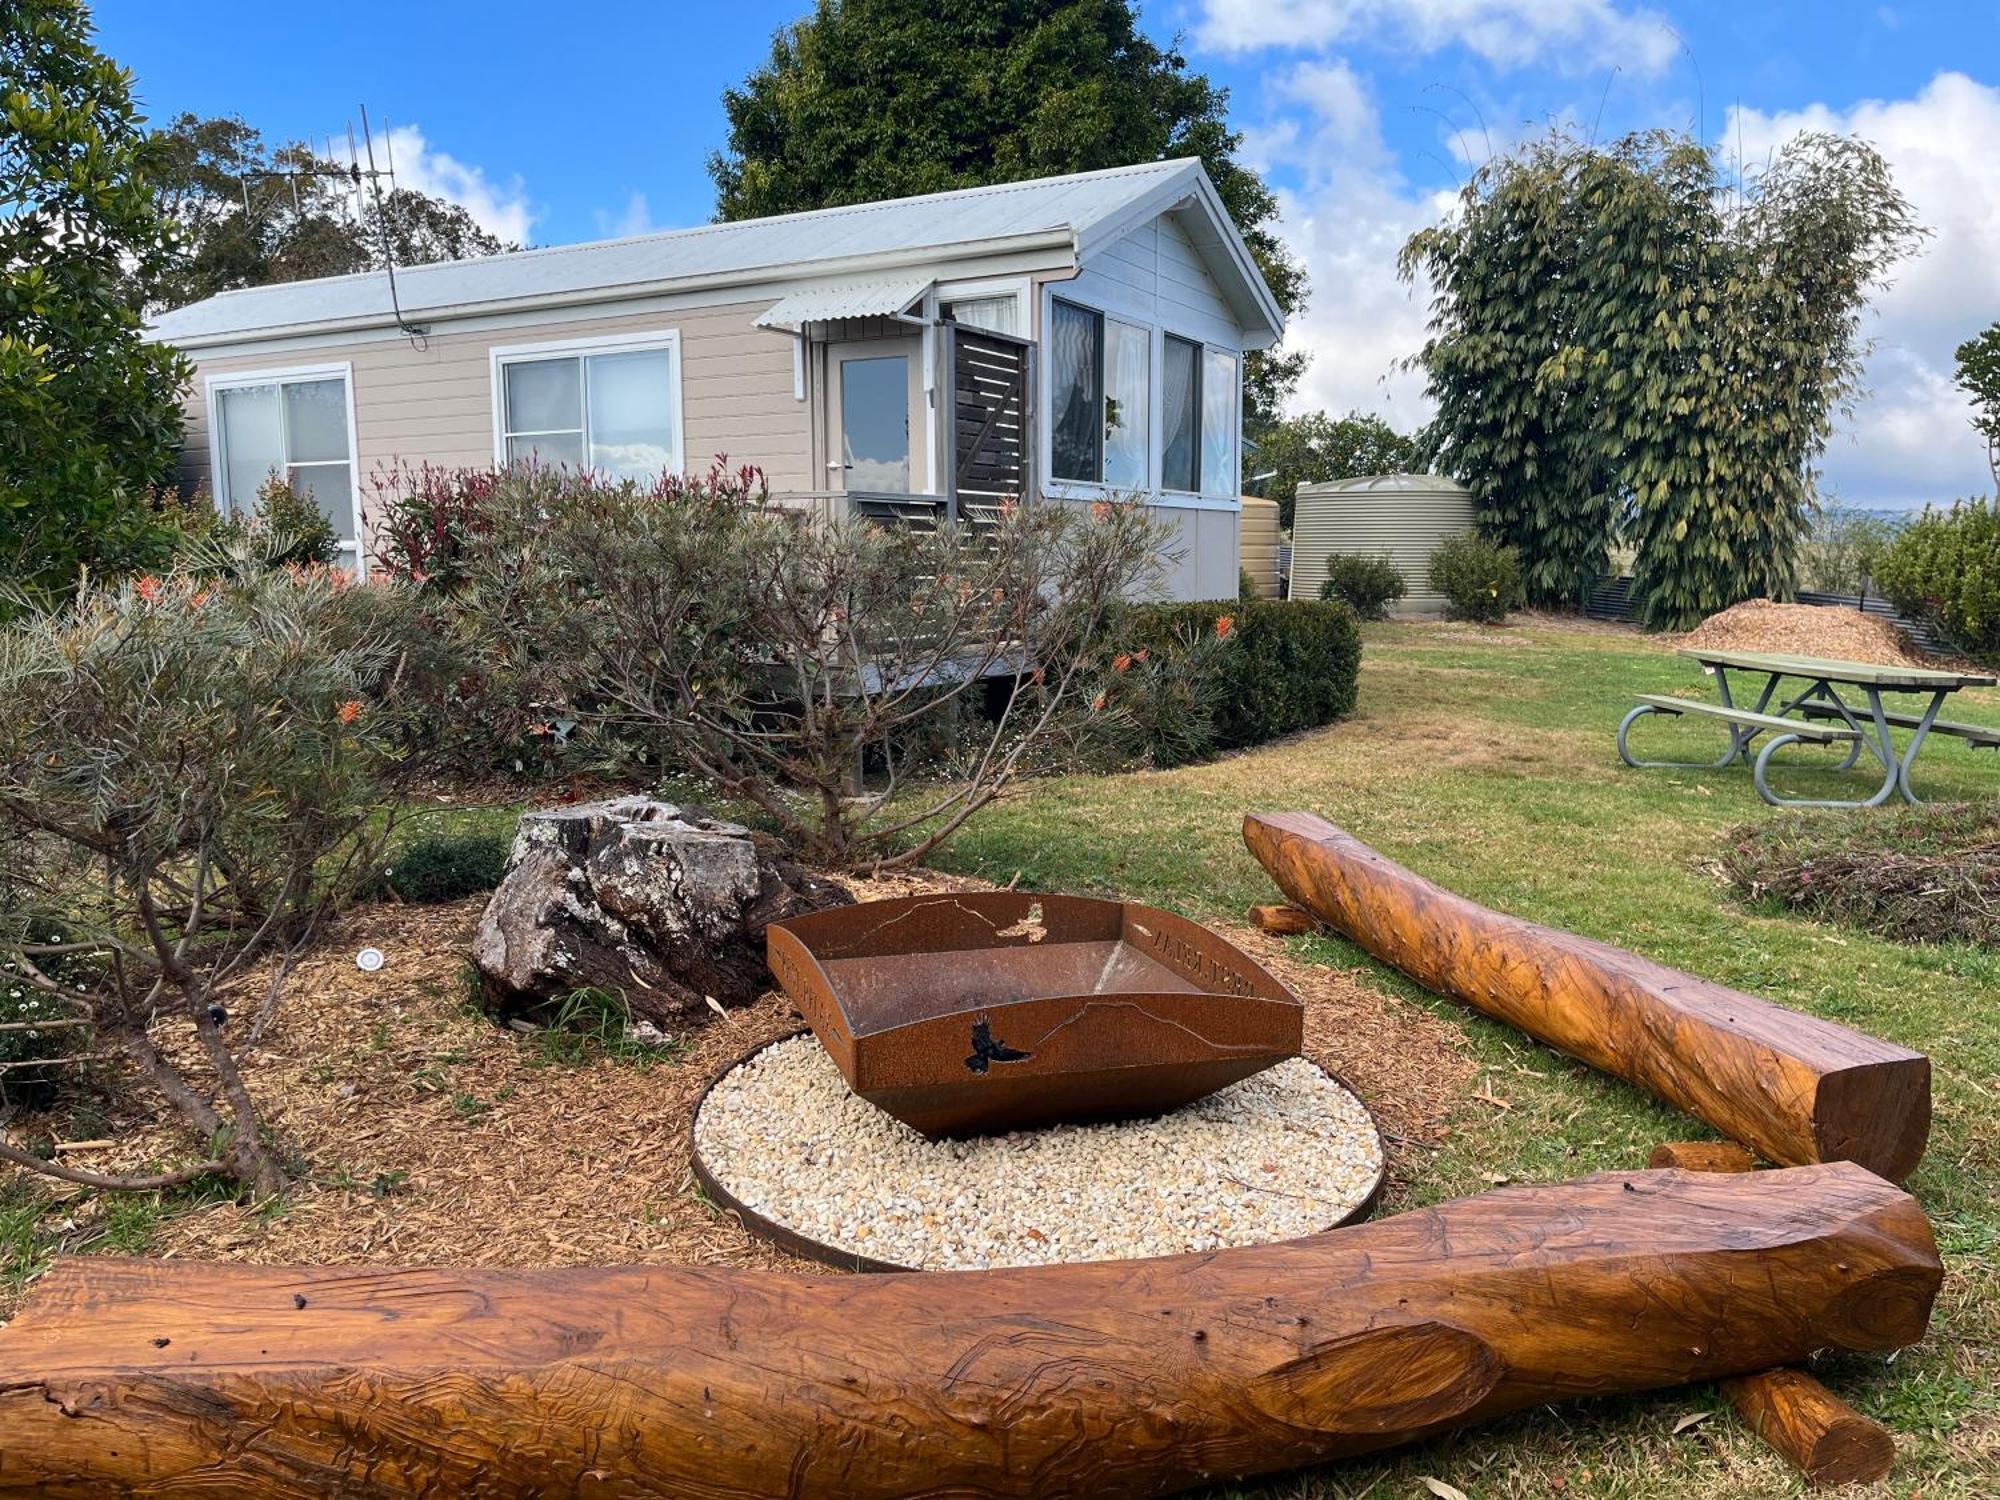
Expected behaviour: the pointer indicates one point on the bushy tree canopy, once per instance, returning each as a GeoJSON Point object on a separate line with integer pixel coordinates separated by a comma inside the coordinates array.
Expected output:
{"type": "Point", "coordinates": [1315, 447]}
{"type": "Point", "coordinates": [248, 214]}
{"type": "Point", "coordinates": [89, 412]}
{"type": "Point", "coordinates": [1979, 377]}
{"type": "Point", "coordinates": [868, 99]}
{"type": "Point", "coordinates": [1624, 343]}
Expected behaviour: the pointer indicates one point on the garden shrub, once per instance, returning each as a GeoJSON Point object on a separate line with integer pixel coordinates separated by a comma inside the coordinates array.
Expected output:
{"type": "Point", "coordinates": [198, 767]}
{"type": "Point", "coordinates": [1944, 569]}
{"type": "Point", "coordinates": [1367, 585]}
{"type": "Point", "coordinates": [434, 867]}
{"type": "Point", "coordinates": [1284, 666]}
{"type": "Point", "coordinates": [1920, 874]}
{"type": "Point", "coordinates": [694, 625]}
{"type": "Point", "coordinates": [1479, 578]}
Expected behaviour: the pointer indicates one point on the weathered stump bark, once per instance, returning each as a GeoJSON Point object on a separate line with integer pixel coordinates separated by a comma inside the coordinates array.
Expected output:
{"type": "Point", "coordinates": [1815, 1431]}
{"type": "Point", "coordinates": [1104, 1380]}
{"type": "Point", "coordinates": [665, 904]}
{"type": "Point", "coordinates": [1792, 1087]}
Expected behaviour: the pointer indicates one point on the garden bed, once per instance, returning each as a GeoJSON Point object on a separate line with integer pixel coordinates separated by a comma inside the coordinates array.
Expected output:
{"type": "Point", "coordinates": [434, 1137]}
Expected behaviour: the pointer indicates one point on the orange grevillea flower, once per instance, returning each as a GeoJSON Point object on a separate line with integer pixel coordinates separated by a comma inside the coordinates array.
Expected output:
{"type": "Point", "coordinates": [1223, 625]}
{"type": "Point", "coordinates": [1122, 662]}
{"type": "Point", "coordinates": [150, 589]}
{"type": "Point", "coordinates": [350, 710]}
{"type": "Point", "coordinates": [1097, 703]}
{"type": "Point", "coordinates": [1100, 509]}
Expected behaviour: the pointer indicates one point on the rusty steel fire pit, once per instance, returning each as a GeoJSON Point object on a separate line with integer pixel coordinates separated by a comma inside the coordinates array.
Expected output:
{"type": "Point", "coordinates": [975, 1012]}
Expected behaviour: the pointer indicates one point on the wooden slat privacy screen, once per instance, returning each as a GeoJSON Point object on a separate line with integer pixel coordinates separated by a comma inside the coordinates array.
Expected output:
{"type": "Point", "coordinates": [991, 375]}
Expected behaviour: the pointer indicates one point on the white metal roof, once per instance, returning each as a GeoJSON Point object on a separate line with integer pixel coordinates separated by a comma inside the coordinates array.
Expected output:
{"type": "Point", "coordinates": [1068, 216]}
{"type": "Point", "coordinates": [860, 299]}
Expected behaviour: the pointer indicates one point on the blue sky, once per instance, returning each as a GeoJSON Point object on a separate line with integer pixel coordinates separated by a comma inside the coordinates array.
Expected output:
{"type": "Point", "coordinates": [558, 124]}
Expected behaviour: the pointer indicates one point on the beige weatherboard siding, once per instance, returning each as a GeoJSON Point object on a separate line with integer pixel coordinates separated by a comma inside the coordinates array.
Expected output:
{"type": "Point", "coordinates": [757, 314]}
{"type": "Point", "coordinates": [435, 403]}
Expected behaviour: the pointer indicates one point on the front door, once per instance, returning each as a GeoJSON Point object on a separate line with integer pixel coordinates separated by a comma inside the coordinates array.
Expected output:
{"type": "Point", "coordinates": [877, 421]}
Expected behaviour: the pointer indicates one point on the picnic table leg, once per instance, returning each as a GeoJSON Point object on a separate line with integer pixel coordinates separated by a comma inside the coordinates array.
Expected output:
{"type": "Point", "coordinates": [1917, 739]}
{"type": "Point", "coordinates": [1880, 743]}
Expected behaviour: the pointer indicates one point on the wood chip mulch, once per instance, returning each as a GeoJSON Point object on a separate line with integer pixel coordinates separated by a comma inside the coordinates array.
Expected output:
{"type": "Point", "coordinates": [433, 1137]}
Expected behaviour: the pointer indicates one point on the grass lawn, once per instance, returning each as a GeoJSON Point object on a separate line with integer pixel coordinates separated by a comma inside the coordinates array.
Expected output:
{"type": "Point", "coordinates": [1485, 761]}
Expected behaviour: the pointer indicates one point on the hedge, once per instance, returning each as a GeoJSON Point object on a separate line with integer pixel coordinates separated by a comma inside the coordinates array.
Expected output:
{"type": "Point", "coordinates": [1295, 666]}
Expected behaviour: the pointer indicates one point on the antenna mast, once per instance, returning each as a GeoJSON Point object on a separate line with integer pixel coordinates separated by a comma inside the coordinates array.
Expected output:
{"type": "Point", "coordinates": [415, 333]}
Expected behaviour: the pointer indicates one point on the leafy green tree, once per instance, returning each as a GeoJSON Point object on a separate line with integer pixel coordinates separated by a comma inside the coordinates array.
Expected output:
{"type": "Point", "coordinates": [1315, 447]}
{"type": "Point", "coordinates": [89, 411]}
{"type": "Point", "coordinates": [1622, 344]}
{"type": "Point", "coordinates": [1979, 377]}
{"type": "Point", "coordinates": [868, 99]}
{"type": "Point", "coordinates": [249, 214]}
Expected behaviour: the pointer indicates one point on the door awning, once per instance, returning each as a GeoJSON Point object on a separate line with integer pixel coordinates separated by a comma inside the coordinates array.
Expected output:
{"type": "Point", "coordinates": [854, 299]}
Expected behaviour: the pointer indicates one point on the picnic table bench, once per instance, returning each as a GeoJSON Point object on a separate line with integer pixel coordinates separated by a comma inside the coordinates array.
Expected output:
{"type": "Point", "coordinates": [1823, 717]}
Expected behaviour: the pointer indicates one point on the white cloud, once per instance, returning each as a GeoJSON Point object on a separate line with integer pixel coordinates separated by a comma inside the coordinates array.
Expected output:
{"type": "Point", "coordinates": [500, 208]}
{"type": "Point", "coordinates": [1571, 35]}
{"type": "Point", "coordinates": [1347, 219]}
{"type": "Point", "coordinates": [1908, 441]}
{"type": "Point", "coordinates": [635, 218]}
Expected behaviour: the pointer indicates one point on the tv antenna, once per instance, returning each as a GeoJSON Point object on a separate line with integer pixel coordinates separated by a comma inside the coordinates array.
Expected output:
{"type": "Point", "coordinates": [374, 175]}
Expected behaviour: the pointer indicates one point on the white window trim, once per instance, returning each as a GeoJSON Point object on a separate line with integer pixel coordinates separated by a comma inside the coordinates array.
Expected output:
{"type": "Point", "coordinates": [218, 439]}
{"type": "Point", "coordinates": [1012, 286]}
{"type": "Point", "coordinates": [1155, 490]}
{"type": "Point", "coordinates": [502, 355]}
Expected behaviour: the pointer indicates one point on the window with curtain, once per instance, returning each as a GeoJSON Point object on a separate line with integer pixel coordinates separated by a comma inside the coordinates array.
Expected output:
{"type": "Point", "coordinates": [1180, 416]}
{"type": "Point", "coordinates": [1076, 392]}
{"type": "Point", "coordinates": [1128, 387]}
{"type": "Point", "coordinates": [1000, 314]}
{"type": "Point", "coordinates": [294, 426]}
{"type": "Point", "coordinates": [611, 410]}
{"type": "Point", "coordinates": [1218, 422]}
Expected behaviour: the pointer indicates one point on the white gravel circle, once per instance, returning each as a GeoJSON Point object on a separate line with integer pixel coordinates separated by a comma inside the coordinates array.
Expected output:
{"type": "Point", "coordinates": [1286, 1153]}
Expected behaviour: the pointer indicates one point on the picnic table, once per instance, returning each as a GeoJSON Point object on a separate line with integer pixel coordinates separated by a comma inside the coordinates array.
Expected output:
{"type": "Point", "coordinates": [1813, 711]}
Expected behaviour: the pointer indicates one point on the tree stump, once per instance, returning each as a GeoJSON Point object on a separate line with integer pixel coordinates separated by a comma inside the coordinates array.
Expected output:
{"type": "Point", "coordinates": [665, 904]}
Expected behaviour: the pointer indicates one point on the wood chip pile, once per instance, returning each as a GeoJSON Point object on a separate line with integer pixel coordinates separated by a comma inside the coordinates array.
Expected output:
{"type": "Point", "coordinates": [1806, 630]}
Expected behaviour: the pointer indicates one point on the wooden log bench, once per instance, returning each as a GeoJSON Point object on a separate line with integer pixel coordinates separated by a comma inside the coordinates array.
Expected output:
{"type": "Point", "coordinates": [1791, 1086]}
{"type": "Point", "coordinates": [1108, 1379]}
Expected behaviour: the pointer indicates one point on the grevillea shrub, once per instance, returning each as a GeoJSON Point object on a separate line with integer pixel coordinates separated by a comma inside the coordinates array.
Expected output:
{"type": "Point", "coordinates": [194, 769]}
{"type": "Point", "coordinates": [768, 653]}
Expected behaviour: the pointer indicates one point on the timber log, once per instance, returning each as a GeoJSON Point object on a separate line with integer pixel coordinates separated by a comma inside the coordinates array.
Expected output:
{"type": "Point", "coordinates": [1790, 1086]}
{"type": "Point", "coordinates": [1103, 1380]}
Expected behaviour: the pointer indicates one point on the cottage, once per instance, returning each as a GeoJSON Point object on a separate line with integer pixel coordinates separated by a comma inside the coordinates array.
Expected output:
{"type": "Point", "coordinates": [1065, 338]}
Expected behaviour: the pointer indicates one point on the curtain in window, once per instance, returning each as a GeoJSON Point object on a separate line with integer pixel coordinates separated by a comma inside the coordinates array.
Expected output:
{"type": "Point", "coordinates": [995, 314]}
{"type": "Point", "coordinates": [1179, 416]}
{"type": "Point", "coordinates": [1128, 372]}
{"type": "Point", "coordinates": [1076, 383]}
{"type": "Point", "coordinates": [253, 442]}
{"type": "Point", "coordinates": [1218, 423]}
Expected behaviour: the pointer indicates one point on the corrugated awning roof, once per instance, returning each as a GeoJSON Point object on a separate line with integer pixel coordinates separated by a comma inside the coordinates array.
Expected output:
{"type": "Point", "coordinates": [857, 299]}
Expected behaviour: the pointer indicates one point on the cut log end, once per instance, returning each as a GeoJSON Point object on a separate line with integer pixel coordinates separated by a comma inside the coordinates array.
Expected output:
{"type": "Point", "coordinates": [1703, 1156]}
{"type": "Point", "coordinates": [1283, 920]}
{"type": "Point", "coordinates": [1815, 1431]}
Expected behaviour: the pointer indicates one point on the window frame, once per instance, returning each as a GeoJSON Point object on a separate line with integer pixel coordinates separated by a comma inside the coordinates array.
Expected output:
{"type": "Point", "coordinates": [218, 440]}
{"type": "Point", "coordinates": [580, 349]}
{"type": "Point", "coordinates": [1104, 318]}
